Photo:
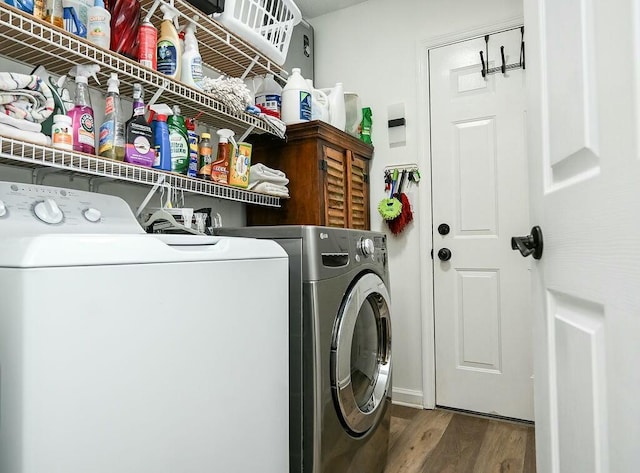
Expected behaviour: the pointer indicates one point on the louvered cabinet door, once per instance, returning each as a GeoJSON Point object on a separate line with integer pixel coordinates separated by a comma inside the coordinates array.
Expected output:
{"type": "Point", "coordinates": [358, 191]}
{"type": "Point", "coordinates": [336, 190]}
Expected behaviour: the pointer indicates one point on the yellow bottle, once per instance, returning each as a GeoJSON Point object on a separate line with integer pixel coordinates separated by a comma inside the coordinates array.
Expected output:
{"type": "Point", "coordinates": [169, 50]}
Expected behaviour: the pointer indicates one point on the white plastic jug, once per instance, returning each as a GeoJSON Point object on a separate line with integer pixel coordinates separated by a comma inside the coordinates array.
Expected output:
{"type": "Point", "coordinates": [319, 103]}
{"type": "Point", "coordinates": [336, 106]}
{"type": "Point", "coordinates": [353, 113]}
{"type": "Point", "coordinates": [296, 99]}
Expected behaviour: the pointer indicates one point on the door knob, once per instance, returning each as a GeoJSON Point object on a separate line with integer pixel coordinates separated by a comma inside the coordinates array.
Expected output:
{"type": "Point", "coordinates": [443, 229]}
{"type": "Point", "coordinates": [530, 244]}
{"type": "Point", "coordinates": [444, 254]}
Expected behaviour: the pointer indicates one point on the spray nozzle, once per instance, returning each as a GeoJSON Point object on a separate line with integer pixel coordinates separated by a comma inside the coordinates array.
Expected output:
{"type": "Point", "coordinates": [113, 83]}
{"type": "Point", "coordinates": [159, 109]}
{"type": "Point", "coordinates": [226, 135]}
{"type": "Point", "coordinates": [82, 72]}
{"type": "Point", "coordinates": [171, 13]}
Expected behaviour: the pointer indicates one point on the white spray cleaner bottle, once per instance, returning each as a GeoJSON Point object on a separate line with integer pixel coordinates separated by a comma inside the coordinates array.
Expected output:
{"type": "Point", "coordinates": [82, 121]}
{"type": "Point", "coordinates": [191, 71]}
{"type": "Point", "coordinates": [169, 50]}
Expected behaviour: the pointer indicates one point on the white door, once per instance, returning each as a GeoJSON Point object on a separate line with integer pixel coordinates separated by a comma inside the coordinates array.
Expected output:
{"type": "Point", "coordinates": [583, 103]}
{"type": "Point", "coordinates": [482, 293]}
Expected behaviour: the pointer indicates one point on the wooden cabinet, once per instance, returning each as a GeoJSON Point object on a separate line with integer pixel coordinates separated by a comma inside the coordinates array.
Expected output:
{"type": "Point", "coordinates": [328, 173]}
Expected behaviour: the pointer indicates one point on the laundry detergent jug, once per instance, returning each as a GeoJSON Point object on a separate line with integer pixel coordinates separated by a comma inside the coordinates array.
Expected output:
{"type": "Point", "coordinates": [336, 106]}
{"type": "Point", "coordinates": [319, 103]}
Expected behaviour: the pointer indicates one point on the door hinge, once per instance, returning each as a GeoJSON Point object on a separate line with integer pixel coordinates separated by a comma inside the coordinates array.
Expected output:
{"type": "Point", "coordinates": [323, 164]}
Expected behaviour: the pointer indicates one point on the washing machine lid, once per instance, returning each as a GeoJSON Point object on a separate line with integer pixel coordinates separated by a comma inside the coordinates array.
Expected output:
{"type": "Point", "coordinates": [64, 250]}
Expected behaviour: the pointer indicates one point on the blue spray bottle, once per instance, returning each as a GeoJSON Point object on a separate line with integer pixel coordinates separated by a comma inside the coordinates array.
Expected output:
{"type": "Point", "coordinates": [160, 112]}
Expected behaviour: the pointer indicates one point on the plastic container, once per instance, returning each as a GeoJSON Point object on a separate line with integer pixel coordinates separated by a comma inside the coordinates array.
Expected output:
{"type": "Point", "coordinates": [84, 137]}
{"type": "Point", "coordinates": [337, 112]}
{"type": "Point", "coordinates": [269, 95]}
{"type": "Point", "coordinates": [205, 153]}
{"type": "Point", "coordinates": [220, 167]}
{"type": "Point", "coordinates": [194, 159]}
{"type": "Point", "coordinates": [161, 143]}
{"type": "Point", "coordinates": [353, 113]}
{"type": "Point", "coordinates": [125, 18]}
{"type": "Point", "coordinates": [296, 100]}
{"type": "Point", "coordinates": [54, 13]}
{"type": "Point", "coordinates": [239, 166]}
{"type": "Point", "coordinates": [191, 71]}
{"type": "Point", "coordinates": [319, 103]}
{"type": "Point", "coordinates": [169, 49]}
{"type": "Point", "coordinates": [111, 139]}
{"type": "Point", "coordinates": [99, 25]}
{"type": "Point", "coordinates": [267, 26]}
{"type": "Point", "coordinates": [148, 44]}
{"type": "Point", "coordinates": [179, 142]}
{"type": "Point", "coordinates": [62, 132]}
{"type": "Point", "coordinates": [139, 135]}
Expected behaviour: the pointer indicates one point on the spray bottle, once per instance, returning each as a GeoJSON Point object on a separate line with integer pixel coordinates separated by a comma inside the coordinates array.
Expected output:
{"type": "Point", "coordinates": [111, 140]}
{"type": "Point", "coordinates": [194, 158]}
{"type": "Point", "coordinates": [169, 50]}
{"type": "Point", "coordinates": [220, 167]}
{"type": "Point", "coordinates": [81, 114]}
{"type": "Point", "coordinates": [179, 142]}
{"type": "Point", "coordinates": [139, 135]}
{"type": "Point", "coordinates": [191, 72]}
{"type": "Point", "coordinates": [161, 141]}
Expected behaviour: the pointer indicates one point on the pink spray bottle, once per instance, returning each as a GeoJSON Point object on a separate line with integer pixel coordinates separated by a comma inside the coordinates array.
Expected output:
{"type": "Point", "coordinates": [84, 136]}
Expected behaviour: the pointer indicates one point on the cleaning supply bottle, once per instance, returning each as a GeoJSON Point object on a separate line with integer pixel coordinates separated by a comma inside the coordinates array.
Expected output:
{"type": "Point", "coordinates": [365, 127]}
{"type": "Point", "coordinates": [220, 167]}
{"type": "Point", "coordinates": [81, 114]}
{"type": "Point", "coordinates": [161, 140]}
{"type": "Point", "coordinates": [54, 13]}
{"type": "Point", "coordinates": [194, 161]}
{"type": "Point", "coordinates": [148, 42]}
{"type": "Point", "coordinates": [125, 18]}
{"type": "Point", "coordinates": [205, 154]}
{"type": "Point", "coordinates": [99, 25]}
{"type": "Point", "coordinates": [319, 103]}
{"type": "Point", "coordinates": [111, 140]}
{"type": "Point", "coordinates": [191, 70]}
{"type": "Point", "coordinates": [169, 50]}
{"type": "Point", "coordinates": [139, 135]}
{"type": "Point", "coordinates": [336, 106]}
{"type": "Point", "coordinates": [179, 142]}
{"type": "Point", "coordinates": [269, 95]}
{"type": "Point", "coordinates": [296, 99]}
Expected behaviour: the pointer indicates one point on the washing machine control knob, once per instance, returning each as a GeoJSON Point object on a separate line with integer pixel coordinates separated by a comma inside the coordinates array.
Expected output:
{"type": "Point", "coordinates": [92, 215]}
{"type": "Point", "coordinates": [48, 211]}
{"type": "Point", "coordinates": [3, 209]}
{"type": "Point", "coordinates": [366, 246]}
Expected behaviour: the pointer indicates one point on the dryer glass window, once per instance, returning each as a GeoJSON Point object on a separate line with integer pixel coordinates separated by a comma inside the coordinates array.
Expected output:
{"type": "Point", "coordinates": [364, 353]}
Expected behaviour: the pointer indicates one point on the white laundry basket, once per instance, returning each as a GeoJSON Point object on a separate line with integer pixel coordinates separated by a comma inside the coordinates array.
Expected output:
{"type": "Point", "coordinates": [267, 25]}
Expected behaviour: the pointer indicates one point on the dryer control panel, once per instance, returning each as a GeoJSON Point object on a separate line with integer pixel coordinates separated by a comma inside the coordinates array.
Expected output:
{"type": "Point", "coordinates": [27, 209]}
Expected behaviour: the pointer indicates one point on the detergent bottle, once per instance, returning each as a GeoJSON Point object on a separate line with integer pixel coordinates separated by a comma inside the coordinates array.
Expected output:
{"type": "Point", "coordinates": [111, 140]}
{"type": "Point", "coordinates": [296, 99]}
{"type": "Point", "coordinates": [319, 103]}
{"type": "Point", "coordinates": [337, 113]}
{"type": "Point", "coordinates": [220, 167]}
{"type": "Point", "coordinates": [125, 18]}
{"type": "Point", "coordinates": [139, 135]}
{"type": "Point", "coordinates": [269, 96]}
{"type": "Point", "coordinates": [161, 140]}
{"type": "Point", "coordinates": [84, 138]}
{"type": "Point", "coordinates": [191, 70]}
{"type": "Point", "coordinates": [179, 140]}
{"type": "Point", "coordinates": [99, 25]}
{"type": "Point", "coordinates": [169, 53]}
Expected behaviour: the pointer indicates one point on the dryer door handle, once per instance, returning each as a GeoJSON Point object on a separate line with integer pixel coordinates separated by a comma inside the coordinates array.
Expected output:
{"type": "Point", "coordinates": [385, 340]}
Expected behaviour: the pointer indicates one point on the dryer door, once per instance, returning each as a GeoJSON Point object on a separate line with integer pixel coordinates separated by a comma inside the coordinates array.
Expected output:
{"type": "Point", "coordinates": [361, 354]}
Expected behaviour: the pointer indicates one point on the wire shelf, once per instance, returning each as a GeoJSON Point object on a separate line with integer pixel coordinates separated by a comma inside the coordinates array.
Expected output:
{"type": "Point", "coordinates": [14, 152]}
{"type": "Point", "coordinates": [221, 50]}
{"type": "Point", "coordinates": [29, 40]}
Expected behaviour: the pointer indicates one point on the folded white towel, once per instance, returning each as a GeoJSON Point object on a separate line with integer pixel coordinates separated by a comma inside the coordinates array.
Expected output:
{"type": "Point", "coordinates": [32, 136]}
{"type": "Point", "coordinates": [275, 122]}
{"type": "Point", "coordinates": [269, 188]}
{"type": "Point", "coordinates": [25, 97]}
{"type": "Point", "coordinates": [20, 123]}
{"type": "Point", "coordinates": [259, 172]}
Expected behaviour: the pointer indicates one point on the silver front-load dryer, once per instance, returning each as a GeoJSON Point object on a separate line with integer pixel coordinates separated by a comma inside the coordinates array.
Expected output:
{"type": "Point", "coordinates": [340, 347]}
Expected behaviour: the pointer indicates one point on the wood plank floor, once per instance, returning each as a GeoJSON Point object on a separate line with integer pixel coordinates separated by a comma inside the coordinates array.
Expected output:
{"type": "Point", "coordinates": [442, 441]}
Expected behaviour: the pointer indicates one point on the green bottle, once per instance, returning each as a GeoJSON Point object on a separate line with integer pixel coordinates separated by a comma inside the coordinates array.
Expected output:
{"type": "Point", "coordinates": [365, 127]}
{"type": "Point", "coordinates": [179, 140]}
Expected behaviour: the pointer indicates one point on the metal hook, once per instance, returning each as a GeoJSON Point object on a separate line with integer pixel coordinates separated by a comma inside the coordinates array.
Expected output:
{"type": "Point", "coordinates": [484, 68]}
{"type": "Point", "coordinates": [522, 64]}
{"type": "Point", "coordinates": [504, 63]}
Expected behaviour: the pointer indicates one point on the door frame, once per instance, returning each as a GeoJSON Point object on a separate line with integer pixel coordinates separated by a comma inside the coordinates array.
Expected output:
{"type": "Point", "coordinates": [423, 47]}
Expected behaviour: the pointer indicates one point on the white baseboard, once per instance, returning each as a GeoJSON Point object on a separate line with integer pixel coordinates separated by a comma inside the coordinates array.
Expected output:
{"type": "Point", "coordinates": [407, 397]}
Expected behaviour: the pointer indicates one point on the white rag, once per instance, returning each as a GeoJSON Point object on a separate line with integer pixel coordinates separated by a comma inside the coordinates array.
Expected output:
{"type": "Point", "coordinates": [31, 136]}
{"type": "Point", "coordinates": [275, 122]}
{"type": "Point", "coordinates": [25, 97]}
{"type": "Point", "coordinates": [269, 188]}
{"type": "Point", "coordinates": [259, 172]}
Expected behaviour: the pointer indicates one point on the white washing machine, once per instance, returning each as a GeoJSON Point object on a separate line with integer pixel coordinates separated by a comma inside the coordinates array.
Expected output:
{"type": "Point", "coordinates": [120, 352]}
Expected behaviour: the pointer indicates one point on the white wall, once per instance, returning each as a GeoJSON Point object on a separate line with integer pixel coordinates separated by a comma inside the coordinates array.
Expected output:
{"type": "Point", "coordinates": [375, 49]}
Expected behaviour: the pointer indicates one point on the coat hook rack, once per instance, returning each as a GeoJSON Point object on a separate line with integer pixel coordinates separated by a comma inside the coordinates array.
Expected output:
{"type": "Point", "coordinates": [504, 67]}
